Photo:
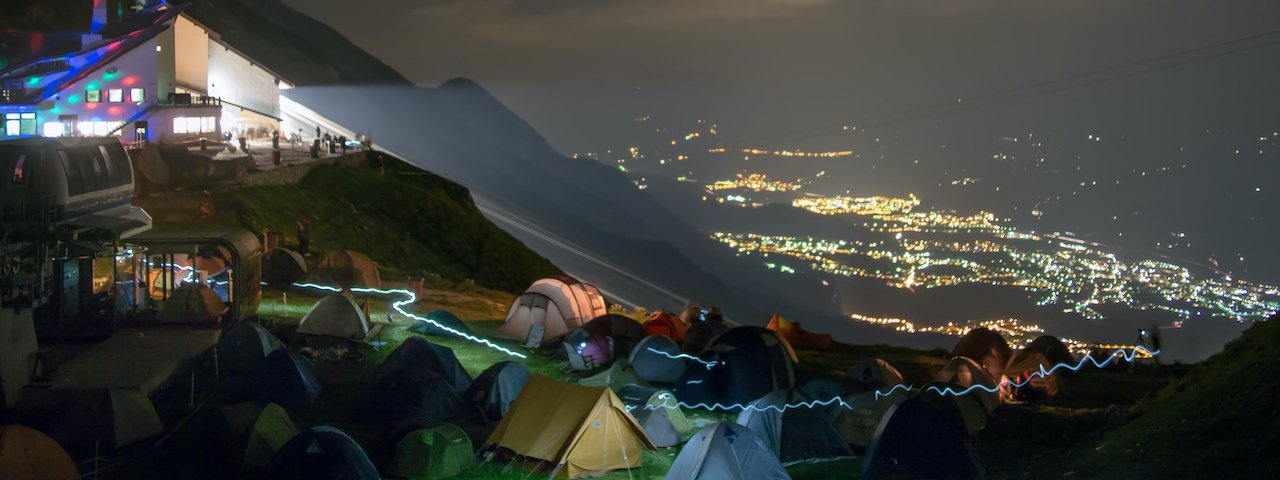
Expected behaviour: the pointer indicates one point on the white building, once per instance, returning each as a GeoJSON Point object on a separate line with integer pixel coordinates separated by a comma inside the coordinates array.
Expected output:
{"type": "Point", "coordinates": [157, 76]}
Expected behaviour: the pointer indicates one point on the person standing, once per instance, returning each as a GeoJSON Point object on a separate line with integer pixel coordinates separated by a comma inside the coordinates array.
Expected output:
{"type": "Point", "coordinates": [304, 234]}
{"type": "Point", "coordinates": [317, 131]}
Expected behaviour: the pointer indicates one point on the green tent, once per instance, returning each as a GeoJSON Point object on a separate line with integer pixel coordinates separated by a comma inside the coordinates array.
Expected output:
{"type": "Point", "coordinates": [618, 375]}
{"type": "Point", "coordinates": [441, 452]}
{"type": "Point", "coordinates": [259, 433]}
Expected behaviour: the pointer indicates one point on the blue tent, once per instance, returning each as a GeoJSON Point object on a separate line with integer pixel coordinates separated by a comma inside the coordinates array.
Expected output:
{"type": "Point", "coordinates": [412, 387]}
{"type": "Point", "coordinates": [726, 451]}
{"type": "Point", "coordinates": [417, 352]}
{"type": "Point", "coordinates": [444, 318]}
{"type": "Point", "coordinates": [923, 437]}
{"type": "Point", "coordinates": [742, 365]}
{"type": "Point", "coordinates": [498, 386]}
{"type": "Point", "coordinates": [287, 378]}
{"type": "Point", "coordinates": [323, 453]}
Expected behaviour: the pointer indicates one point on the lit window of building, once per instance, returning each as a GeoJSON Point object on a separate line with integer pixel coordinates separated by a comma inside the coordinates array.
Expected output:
{"type": "Point", "coordinates": [137, 95]}
{"type": "Point", "coordinates": [92, 96]}
{"type": "Point", "coordinates": [115, 95]}
{"type": "Point", "coordinates": [189, 125]}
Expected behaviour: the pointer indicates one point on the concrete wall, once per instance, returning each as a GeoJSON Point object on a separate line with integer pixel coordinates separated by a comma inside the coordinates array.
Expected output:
{"type": "Point", "coordinates": [236, 80]}
{"type": "Point", "coordinates": [191, 48]}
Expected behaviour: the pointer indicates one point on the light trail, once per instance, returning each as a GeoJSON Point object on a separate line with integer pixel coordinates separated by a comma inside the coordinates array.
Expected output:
{"type": "Point", "coordinates": [682, 356]}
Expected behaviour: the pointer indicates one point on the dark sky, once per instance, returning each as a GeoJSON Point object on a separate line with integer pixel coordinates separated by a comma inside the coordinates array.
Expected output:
{"type": "Point", "coordinates": [580, 70]}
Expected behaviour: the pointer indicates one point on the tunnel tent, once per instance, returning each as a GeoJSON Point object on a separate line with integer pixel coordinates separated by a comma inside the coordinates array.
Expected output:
{"type": "Point", "coordinates": [285, 377]}
{"type": "Point", "coordinates": [441, 452]}
{"type": "Point", "coordinates": [639, 397]}
{"type": "Point", "coordinates": [965, 374]}
{"type": "Point", "coordinates": [550, 308]}
{"type": "Point", "coordinates": [656, 359]}
{"type": "Point", "coordinates": [666, 324]}
{"type": "Point", "coordinates": [258, 432]}
{"type": "Point", "coordinates": [192, 304]}
{"type": "Point", "coordinates": [581, 430]}
{"type": "Point", "coordinates": [986, 347]}
{"type": "Point", "coordinates": [826, 392]}
{"type": "Point", "coordinates": [1025, 379]}
{"type": "Point", "coordinates": [323, 453]}
{"type": "Point", "coordinates": [346, 268]}
{"type": "Point", "coordinates": [617, 376]}
{"type": "Point", "coordinates": [416, 353]}
{"type": "Point", "coordinates": [624, 332]}
{"type": "Point", "coordinates": [282, 267]}
{"type": "Point", "coordinates": [497, 387]}
{"type": "Point", "coordinates": [1053, 350]}
{"type": "Point", "coordinates": [921, 438]}
{"type": "Point", "coordinates": [875, 373]}
{"type": "Point", "coordinates": [726, 451]}
{"type": "Point", "coordinates": [111, 418]}
{"type": "Point", "coordinates": [799, 337]}
{"type": "Point", "coordinates": [241, 350]}
{"type": "Point", "coordinates": [795, 435]}
{"type": "Point", "coordinates": [335, 315]}
{"type": "Point", "coordinates": [862, 413]}
{"type": "Point", "coordinates": [29, 454]}
{"type": "Point", "coordinates": [742, 365]}
{"type": "Point", "coordinates": [444, 318]}
{"type": "Point", "coordinates": [587, 350]}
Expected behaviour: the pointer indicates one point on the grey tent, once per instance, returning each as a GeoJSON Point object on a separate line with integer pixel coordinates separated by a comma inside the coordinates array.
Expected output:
{"type": "Point", "coordinates": [499, 385]}
{"type": "Point", "coordinates": [969, 407]}
{"type": "Point", "coordinates": [323, 453]}
{"type": "Point", "coordinates": [618, 375]}
{"type": "Point", "coordinates": [283, 267]}
{"type": "Point", "coordinates": [417, 352]}
{"type": "Point", "coordinates": [411, 387]}
{"type": "Point", "coordinates": [241, 350]}
{"type": "Point", "coordinates": [656, 359]}
{"type": "Point", "coordinates": [287, 378]}
{"type": "Point", "coordinates": [335, 315]}
{"type": "Point", "coordinates": [1053, 350]}
{"type": "Point", "coordinates": [967, 374]}
{"type": "Point", "coordinates": [640, 396]}
{"type": "Point", "coordinates": [827, 392]}
{"type": "Point", "coordinates": [257, 433]}
{"type": "Point", "coordinates": [794, 434]}
{"type": "Point", "coordinates": [657, 425]}
{"type": "Point", "coordinates": [986, 347]}
{"type": "Point", "coordinates": [110, 418]}
{"type": "Point", "coordinates": [921, 438]}
{"type": "Point", "coordinates": [862, 413]}
{"type": "Point", "coordinates": [726, 451]}
{"type": "Point", "coordinates": [874, 372]}
{"type": "Point", "coordinates": [443, 318]}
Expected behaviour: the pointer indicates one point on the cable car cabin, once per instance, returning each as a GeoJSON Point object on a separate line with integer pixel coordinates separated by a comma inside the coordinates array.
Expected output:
{"type": "Point", "coordinates": [66, 208]}
{"type": "Point", "coordinates": [227, 260]}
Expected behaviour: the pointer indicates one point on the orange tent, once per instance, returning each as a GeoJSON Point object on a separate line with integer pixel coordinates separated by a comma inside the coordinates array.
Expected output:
{"type": "Point", "coordinates": [799, 337]}
{"type": "Point", "coordinates": [26, 453]}
{"type": "Point", "coordinates": [664, 323]}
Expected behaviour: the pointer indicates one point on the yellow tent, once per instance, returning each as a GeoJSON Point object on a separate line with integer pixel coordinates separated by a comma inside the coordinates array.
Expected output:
{"type": "Point", "coordinates": [26, 453]}
{"type": "Point", "coordinates": [580, 430]}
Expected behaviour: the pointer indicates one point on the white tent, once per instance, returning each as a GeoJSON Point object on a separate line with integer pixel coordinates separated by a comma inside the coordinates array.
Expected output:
{"type": "Point", "coordinates": [550, 308]}
{"type": "Point", "coordinates": [964, 373]}
{"type": "Point", "coordinates": [335, 315]}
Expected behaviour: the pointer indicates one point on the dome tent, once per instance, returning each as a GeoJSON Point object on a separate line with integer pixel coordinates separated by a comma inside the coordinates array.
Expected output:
{"type": "Point", "coordinates": [666, 324]}
{"type": "Point", "coordinates": [875, 372]}
{"type": "Point", "coordinates": [241, 350]}
{"type": "Point", "coordinates": [417, 352]}
{"type": "Point", "coordinates": [497, 387]}
{"type": "Point", "coordinates": [441, 452]}
{"type": "Point", "coordinates": [192, 304]}
{"type": "Point", "coordinates": [335, 315]}
{"type": "Point", "coordinates": [443, 317]}
{"type": "Point", "coordinates": [285, 377]}
{"type": "Point", "coordinates": [986, 347]}
{"type": "Point", "coordinates": [656, 359]}
{"type": "Point", "coordinates": [257, 432]}
{"type": "Point", "coordinates": [111, 418]}
{"type": "Point", "coordinates": [282, 267]}
{"type": "Point", "coordinates": [29, 454]}
{"type": "Point", "coordinates": [346, 268]}
{"type": "Point", "coordinates": [794, 434]}
{"type": "Point", "coordinates": [799, 337]}
{"type": "Point", "coordinates": [742, 365]}
{"type": "Point", "coordinates": [412, 386]}
{"type": "Point", "coordinates": [550, 308]}
{"type": "Point", "coordinates": [922, 437]}
{"type": "Point", "coordinates": [964, 373]}
{"type": "Point", "coordinates": [323, 453]}
{"type": "Point", "coordinates": [726, 451]}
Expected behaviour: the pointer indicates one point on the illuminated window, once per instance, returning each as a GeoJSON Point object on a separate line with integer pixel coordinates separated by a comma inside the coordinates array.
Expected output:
{"type": "Point", "coordinates": [115, 95]}
{"type": "Point", "coordinates": [54, 129]}
{"type": "Point", "coordinates": [208, 125]}
{"type": "Point", "coordinates": [12, 125]}
{"type": "Point", "coordinates": [137, 95]}
{"type": "Point", "coordinates": [92, 96]}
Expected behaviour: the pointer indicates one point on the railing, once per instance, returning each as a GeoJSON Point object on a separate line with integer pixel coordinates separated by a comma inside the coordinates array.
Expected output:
{"type": "Point", "coordinates": [42, 66]}
{"type": "Point", "coordinates": [190, 99]}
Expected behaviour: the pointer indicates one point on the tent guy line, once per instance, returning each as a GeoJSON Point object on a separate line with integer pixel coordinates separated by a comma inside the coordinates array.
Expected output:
{"type": "Point", "coordinates": [409, 299]}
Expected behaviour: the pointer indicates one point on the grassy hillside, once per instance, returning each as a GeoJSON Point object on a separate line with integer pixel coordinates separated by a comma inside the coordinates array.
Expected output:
{"type": "Point", "coordinates": [412, 222]}
{"type": "Point", "coordinates": [1218, 421]}
{"type": "Point", "coordinates": [299, 47]}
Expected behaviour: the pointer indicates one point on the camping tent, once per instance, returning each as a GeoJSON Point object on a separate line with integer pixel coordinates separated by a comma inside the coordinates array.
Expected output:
{"type": "Point", "coordinates": [258, 433]}
{"type": "Point", "coordinates": [986, 347]}
{"type": "Point", "coordinates": [285, 377]}
{"type": "Point", "coordinates": [192, 304]}
{"type": "Point", "coordinates": [335, 315]}
{"type": "Point", "coordinates": [28, 454]}
{"type": "Point", "coordinates": [497, 387]}
{"type": "Point", "coordinates": [580, 430]}
{"type": "Point", "coordinates": [965, 373]}
{"type": "Point", "coordinates": [283, 267]}
{"type": "Point", "coordinates": [657, 425]}
{"type": "Point", "coordinates": [414, 385]}
{"type": "Point", "coordinates": [862, 413]}
{"type": "Point", "coordinates": [794, 434]}
{"type": "Point", "coordinates": [417, 352]}
{"type": "Point", "coordinates": [323, 453]}
{"type": "Point", "coordinates": [111, 418]}
{"type": "Point", "coordinates": [799, 337]}
{"type": "Point", "coordinates": [1052, 349]}
{"type": "Point", "coordinates": [618, 375]}
{"type": "Point", "coordinates": [1023, 378]}
{"type": "Point", "coordinates": [664, 323]}
{"type": "Point", "coordinates": [642, 397]}
{"type": "Point", "coordinates": [586, 351]}
{"type": "Point", "coordinates": [749, 362]}
{"type": "Point", "coordinates": [444, 318]}
{"type": "Point", "coordinates": [875, 372]}
{"type": "Point", "coordinates": [241, 350]}
{"type": "Point", "coordinates": [656, 359]}
{"type": "Point", "coordinates": [825, 391]}
{"type": "Point", "coordinates": [969, 407]}
{"type": "Point", "coordinates": [346, 268]}
{"type": "Point", "coordinates": [921, 438]}
{"type": "Point", "coordinates": [550, 308]}
{"type": "Point", "coordinates": [624, 331]}
{"type": "Point", "coordinates": [441, 452]}
{"type": "Point", "coordinates": [726, 451]}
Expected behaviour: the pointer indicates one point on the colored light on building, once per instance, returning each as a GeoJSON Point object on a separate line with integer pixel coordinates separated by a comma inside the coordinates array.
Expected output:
{"type": "Point", "coordinates": [111, 74]}
{"type": "Point", "coordinates": [73, 99]}
{"type": "Point", "coordinates": [91, 106]}
{"type": "Point", "coordinates": [115, 110]}
{"type": "Point", "coordinates": [32, 81]}
{"type": "Point", "coordinates": [92, 86]}
{"type": "Point", "coordinates": [129, 81]}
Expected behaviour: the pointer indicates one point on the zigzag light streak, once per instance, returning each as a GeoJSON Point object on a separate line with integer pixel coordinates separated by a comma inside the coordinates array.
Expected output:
{"type": "Point", "coordinates": [681, 356]}
{"type": "Point", "coordinates": [409, 299]}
